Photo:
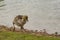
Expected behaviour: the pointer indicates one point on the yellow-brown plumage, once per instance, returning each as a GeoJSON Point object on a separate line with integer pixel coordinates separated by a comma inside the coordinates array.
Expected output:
{"type": "Point", "coordinates": [20, 20]}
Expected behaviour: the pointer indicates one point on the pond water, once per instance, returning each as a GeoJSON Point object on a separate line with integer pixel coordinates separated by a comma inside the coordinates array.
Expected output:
{"type": "Point", "coordinates": [43, 14]}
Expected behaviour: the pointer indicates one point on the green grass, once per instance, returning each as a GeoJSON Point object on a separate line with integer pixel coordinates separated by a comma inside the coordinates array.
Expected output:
{"type": "Point", "coordinates": [23, 36]}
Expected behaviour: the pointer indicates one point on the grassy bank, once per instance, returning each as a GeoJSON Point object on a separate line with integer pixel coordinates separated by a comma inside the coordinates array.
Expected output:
{"type": "Point", "coordinates": [23, 36]}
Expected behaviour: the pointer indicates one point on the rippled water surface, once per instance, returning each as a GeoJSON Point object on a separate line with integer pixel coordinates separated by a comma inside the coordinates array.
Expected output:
{"type": "Point", "coordinates": [43, 14]}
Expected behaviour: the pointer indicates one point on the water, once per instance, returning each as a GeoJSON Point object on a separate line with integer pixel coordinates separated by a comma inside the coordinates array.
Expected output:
{"type": "Point", "coordinates": [43, 14]}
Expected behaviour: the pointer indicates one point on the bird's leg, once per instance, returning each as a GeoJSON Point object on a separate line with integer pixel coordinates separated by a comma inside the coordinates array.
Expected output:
{"type": "Point", "coordinates": [13, 28]}
{"type": "Point", "coordinates": [22, 28]}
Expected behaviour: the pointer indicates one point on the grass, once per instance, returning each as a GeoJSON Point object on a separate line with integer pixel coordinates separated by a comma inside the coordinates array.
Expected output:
{"type": "Point", "coordinates": [4, 35]}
